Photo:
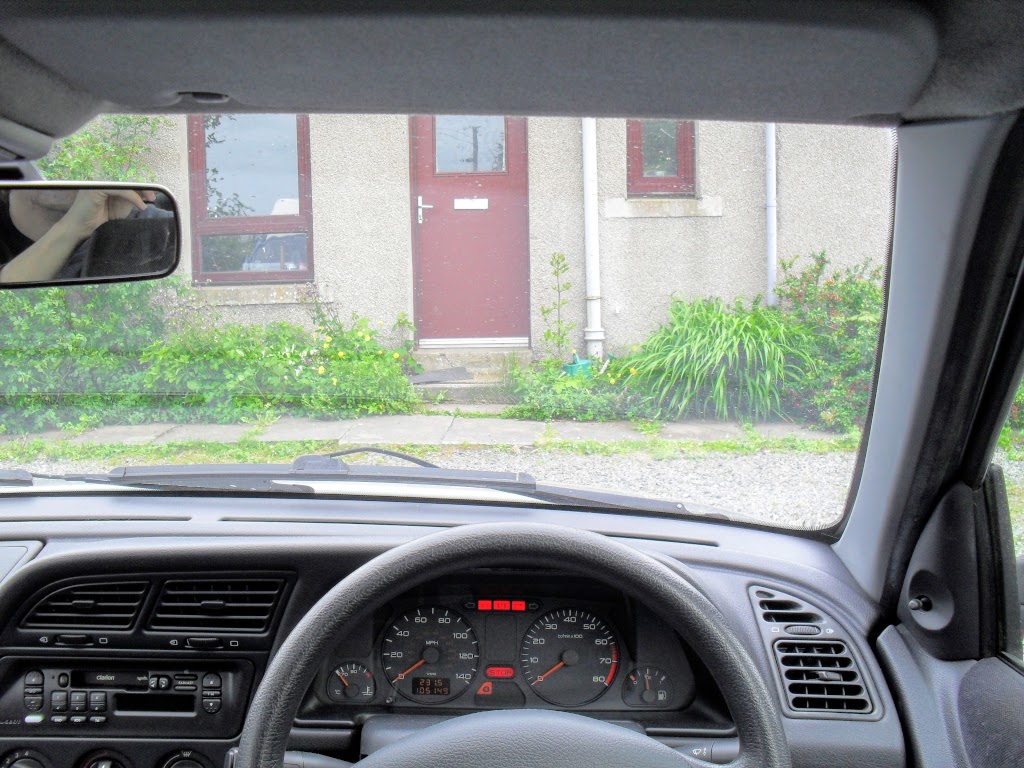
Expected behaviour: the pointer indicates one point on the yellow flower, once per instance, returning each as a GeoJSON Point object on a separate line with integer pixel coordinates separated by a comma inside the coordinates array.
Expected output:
{"type": "Point", "coordinates": [321, 370]}
{"type": "Point", "coordinates": [334, 380]}
{"type": "Point", "coordinates": [326, 346]}
{"type": "Point", "coordinates": [396, 355]}
{"type": "Point", "coordinates": [341, 354]}
{"type": "Point", "coordinates": [632, 371]}
{"type": "Point", "coordinates": [328, 339]}
{"type": "Point", "coordinates": [360, 334]}
{"type": "Point", "coordinates": [380, 351]}
{"type": "Point", "coordinates": [612, 380]}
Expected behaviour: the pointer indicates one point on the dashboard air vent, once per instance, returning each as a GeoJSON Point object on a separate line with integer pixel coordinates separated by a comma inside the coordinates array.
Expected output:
{"type": "Point", "coordinates": [100, 605]}
{"type": "Point", "coordinates": [217, 605]}
{"type": "Point", "coordinates": [784, 609]}
{"type": "Point", "coordinates": [821, 677]}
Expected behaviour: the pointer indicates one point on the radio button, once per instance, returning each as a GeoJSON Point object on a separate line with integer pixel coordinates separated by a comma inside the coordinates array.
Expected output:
{"type": "Point", "coordinates": [211, 680]}
{"type": "Point", "coordinates": [186, 678]}
{"type": "Point", "coordinates": [78, 701]}
{"type": "Point", "coordinates": [33, 691]}
{"type": "Point", "coordinates": [63, 680]}
{"type": "Point", "coordinates": [59, 701]}
{"type": "Point", "coordinates": [97, 701]}
{"type": "Point", "coordinates": [211, 706]}
{"type": "Point", "coordinates": [98, 719]}
{"type": "Point", "coordinates": [58, 719]}
{"type": "Point", "coordinates": [185, 687]}
{"type": "Point", "coordinates": [33, 703]}
{"type": "Point", "coordinates": [211, 694]}
{"type": "Point", "coordinates": [35, 677]}
{"type": "Point", "coordinates": [77, 719]}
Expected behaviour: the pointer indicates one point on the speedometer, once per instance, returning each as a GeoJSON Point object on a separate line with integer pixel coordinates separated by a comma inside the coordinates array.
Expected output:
{"type": "Point", "coordinates": [430, 654]}
{"type": "Point", "coordinates": [569, 657]}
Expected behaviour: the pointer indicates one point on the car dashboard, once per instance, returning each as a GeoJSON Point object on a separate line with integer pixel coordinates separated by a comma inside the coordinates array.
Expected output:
{"type": "Point", "coordinates": [136, 637]}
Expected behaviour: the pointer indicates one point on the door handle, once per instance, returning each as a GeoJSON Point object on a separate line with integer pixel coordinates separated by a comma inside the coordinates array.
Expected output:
{"type": "Point", "coordinates": [420, 205]}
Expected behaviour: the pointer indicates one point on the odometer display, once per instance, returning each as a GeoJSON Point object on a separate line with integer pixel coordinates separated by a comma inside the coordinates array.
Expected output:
{"type": "Point", "coordinates": [569, 657]}
{"type": "Point", "coordinates": [430, 654]}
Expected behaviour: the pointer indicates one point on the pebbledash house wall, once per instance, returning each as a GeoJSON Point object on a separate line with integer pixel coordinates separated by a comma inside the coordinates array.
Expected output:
{"type": "Point", "coordinates": [833, 193]}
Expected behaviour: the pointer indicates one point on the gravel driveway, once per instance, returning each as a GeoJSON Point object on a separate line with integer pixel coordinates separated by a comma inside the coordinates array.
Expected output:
{"type": "Point", "coordinates": [781, 488]}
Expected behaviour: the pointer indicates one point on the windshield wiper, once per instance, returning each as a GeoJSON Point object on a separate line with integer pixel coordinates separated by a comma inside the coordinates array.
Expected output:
{"type": "Point", "coordinates": [294, 478]}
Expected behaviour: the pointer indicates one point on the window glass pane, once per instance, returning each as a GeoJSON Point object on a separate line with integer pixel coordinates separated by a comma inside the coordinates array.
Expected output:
{"type": "Point", "coordinates": [1010, 455]}
{"type": "Point", "coordinates": [659, 148]}
{"type": "Point", "coordinates": [252, 166]}
{"type": "Point", "coordinates": [469, 144]}
{"type": "Point", "coordinates": [278, 252]}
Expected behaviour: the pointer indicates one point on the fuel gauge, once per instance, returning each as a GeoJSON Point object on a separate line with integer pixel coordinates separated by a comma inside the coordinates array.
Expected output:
{"type": "Point", "coordinates": [352, 683]}
{"type": "Point", "coordinates": [647, 687]}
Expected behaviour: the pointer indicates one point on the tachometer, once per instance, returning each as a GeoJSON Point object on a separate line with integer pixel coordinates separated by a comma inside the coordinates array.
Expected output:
{"type": "Point", "coordinates": [569, 657]}
{"type": "Point", "coordinates": [430, 654]}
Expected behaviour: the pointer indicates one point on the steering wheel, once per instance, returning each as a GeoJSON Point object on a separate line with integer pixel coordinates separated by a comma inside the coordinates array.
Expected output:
{"type": "Point", "coordinates": [506, 739]}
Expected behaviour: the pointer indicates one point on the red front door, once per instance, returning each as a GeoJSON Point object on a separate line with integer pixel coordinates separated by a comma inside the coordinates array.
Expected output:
{"type": "Point", "coordinates": [470, 230]}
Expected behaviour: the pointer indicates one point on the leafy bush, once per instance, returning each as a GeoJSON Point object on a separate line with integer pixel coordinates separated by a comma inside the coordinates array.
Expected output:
{"type": "Point", "coordinates": [710, 359]}
{"type": "Point", "coordinates": [128, 354]}
{"type": "Point", "coordinates": [546, 392]}
{"type": "Point", "coordinates": [240, 372]}
{"type": "Point", "coordinates": [841, 312]}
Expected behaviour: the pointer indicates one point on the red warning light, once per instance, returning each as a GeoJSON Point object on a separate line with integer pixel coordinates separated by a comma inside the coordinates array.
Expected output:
{"type": "Point", "coordinates": [502, 605]}
{"type": "Point", "coordinates": [483, 605]}
{"type": "Point", "coordinates": [500, 672]}
{"type": "Point", "coordinates": [518, 605]}
{"type": "Point", "coordinates": [485, 690]}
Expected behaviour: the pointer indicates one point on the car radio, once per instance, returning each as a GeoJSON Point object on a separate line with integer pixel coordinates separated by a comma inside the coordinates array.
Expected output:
{"type": "Point", "coordinates": [48, 697]}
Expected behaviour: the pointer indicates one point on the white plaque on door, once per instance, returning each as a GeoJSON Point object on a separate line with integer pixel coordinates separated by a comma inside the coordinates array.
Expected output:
{"type": "Point", "coordinates": [470, 203]}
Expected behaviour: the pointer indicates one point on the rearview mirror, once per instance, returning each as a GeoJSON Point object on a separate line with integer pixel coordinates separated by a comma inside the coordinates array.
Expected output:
{"type": "Point", "coordinates": [74, 233]}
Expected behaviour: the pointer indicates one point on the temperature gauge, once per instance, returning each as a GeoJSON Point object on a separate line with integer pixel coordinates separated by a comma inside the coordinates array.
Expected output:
{"type": "Point", "coordinates": [647, 687]}
{"type": "Point", "coordinates": [352, 683]}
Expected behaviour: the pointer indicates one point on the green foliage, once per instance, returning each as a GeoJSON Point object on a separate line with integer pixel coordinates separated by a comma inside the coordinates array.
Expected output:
{"type": "Point", "coordinates": [546, 392]}
{"type": "Point", "coordinates": [841, 312]}
{"type": "Point", "coordinates": [115, 354]}
{"type": "Point", "coordinates": [242, 372]}
{"type": "Point", "coordinates": [112, 148]}
{"type": "Point", "coordinates": [713, 360]}
{"type": "Point", "coordinates": [557, 330]}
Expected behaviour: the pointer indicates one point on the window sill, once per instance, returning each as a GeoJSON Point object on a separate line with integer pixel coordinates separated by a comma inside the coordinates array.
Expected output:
{"type": "Point", "coordinates": [241, 295]}
{"type": "Point", "coordinates": [661, 207]}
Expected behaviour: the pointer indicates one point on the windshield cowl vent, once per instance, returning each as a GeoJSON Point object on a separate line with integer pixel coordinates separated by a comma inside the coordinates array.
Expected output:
{"type": "Point", "coordinates": [821, 677]}
{"type": "Point", "coordinates": [99, 605]}
{"type": "Point", "coordinates": [245, 606]}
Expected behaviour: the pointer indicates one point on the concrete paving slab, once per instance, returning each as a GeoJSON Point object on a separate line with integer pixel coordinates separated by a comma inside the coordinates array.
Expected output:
{"type": "Point", "coordinates": [701, 430]}
{"type": "Point", "coordinates": [131, 434]}
{"type": "Point", "coordinates": [50, 435]}
{"type": "Point", "coordinates": [492, 432]}
{"type": "Point", "coordinates": [601, 431]}
{"type": "Point", "coordinates": [493, 409]}
{"type": "Point", "coordinates": [778, 429]}
{"type": "Point", "coordinates": [288, 429]}
{"type": "Point", "coordinates": [416, 429]}
{"type": "Point", "coordinates": [205, 433]}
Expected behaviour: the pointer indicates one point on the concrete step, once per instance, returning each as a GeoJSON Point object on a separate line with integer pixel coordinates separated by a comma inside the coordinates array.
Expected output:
{"type": "Point", "coordinates": [483, 365]}
{"type": "Point", "coordinates": [464, 392]}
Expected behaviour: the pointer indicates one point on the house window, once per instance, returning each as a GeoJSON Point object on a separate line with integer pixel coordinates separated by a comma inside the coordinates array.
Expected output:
{"type": "Point", "coordinates": [250, 193]}
{"type": "Point", "coordinates": [661, 157]}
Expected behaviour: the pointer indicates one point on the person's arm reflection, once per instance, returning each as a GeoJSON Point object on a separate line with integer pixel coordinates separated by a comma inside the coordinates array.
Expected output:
{"type": "Point", "coordinates": [56, 221]}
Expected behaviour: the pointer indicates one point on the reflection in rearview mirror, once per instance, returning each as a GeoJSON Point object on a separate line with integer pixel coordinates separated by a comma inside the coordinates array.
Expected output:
{"type": "Point", "coordinates": [58, 233]}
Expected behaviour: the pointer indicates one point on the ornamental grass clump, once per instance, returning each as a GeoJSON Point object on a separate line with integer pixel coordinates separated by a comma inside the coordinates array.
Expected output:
{"type": "Point", "coordinates": [714, 360]}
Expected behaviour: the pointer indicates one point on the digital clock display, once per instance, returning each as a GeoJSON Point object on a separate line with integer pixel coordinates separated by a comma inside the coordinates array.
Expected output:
{"type": "Point", "coordinates": [431, 686]}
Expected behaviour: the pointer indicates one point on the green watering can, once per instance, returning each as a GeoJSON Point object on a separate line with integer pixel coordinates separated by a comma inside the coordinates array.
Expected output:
{"type": "Point", "coordinates": [578, 367]}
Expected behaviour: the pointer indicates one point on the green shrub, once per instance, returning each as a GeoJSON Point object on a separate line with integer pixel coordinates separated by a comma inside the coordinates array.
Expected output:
{"type": "Point", "coordinates": [546, 392]}
{"type": "Point", "coordinates": [68, 356]}
{"type": "Point", "coordinates": [130, 353]}
{"type": "Point", "coordinates": [710, 359]}
{"type": "Point", "coordinates": [841, 312]}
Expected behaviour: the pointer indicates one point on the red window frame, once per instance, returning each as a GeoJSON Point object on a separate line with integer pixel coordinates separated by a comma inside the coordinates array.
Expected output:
{"type": "Point", "coordinates": [247, 225]}
{"type": "Point", "coordinates": [683, 183]}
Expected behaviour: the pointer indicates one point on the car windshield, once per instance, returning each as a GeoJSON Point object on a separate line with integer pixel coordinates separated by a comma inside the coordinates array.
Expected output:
{"type": "Point", "coordinates": [667, 308]}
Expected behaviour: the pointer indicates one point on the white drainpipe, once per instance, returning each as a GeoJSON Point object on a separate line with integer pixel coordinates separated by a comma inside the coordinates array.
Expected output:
{"type": "Point", "coordinates": [771, 218]}
{"type": "Point", "coordinates": [593, 333]}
